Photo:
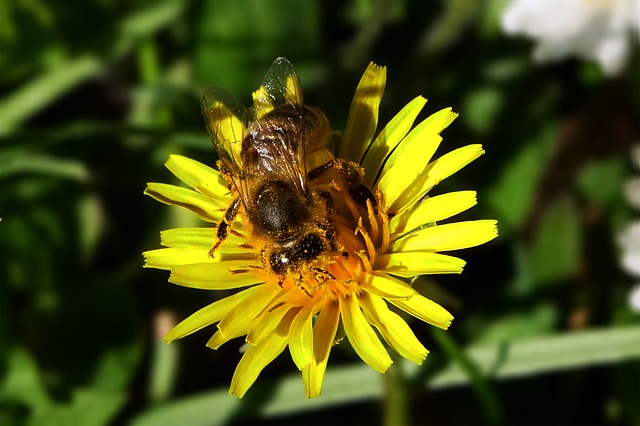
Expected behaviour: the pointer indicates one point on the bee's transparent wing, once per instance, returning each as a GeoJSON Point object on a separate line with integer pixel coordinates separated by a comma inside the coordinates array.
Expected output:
{"type": "Point", "coordinates": [276, 119]}
{"type": "Point", "coordinates": [223, 114]}
{"type": "Point", "coordinates": [280, 87]}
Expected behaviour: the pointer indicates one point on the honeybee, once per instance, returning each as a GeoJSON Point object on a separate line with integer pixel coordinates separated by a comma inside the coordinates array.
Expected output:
{"type": "Point", "coordinates": [265, 160]}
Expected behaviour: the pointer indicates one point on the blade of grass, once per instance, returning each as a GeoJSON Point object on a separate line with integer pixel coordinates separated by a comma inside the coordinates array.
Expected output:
{"type": "Point", "coordinates": [487, 397]}
{"type": "Point", "coordinates": [32, 97]}
{"type": "Point", "coordinates": [44, 165]}
{"type": "Point", "coordinates": [357, 383]}
{"type": "Point", "coordinates": [40, 92]}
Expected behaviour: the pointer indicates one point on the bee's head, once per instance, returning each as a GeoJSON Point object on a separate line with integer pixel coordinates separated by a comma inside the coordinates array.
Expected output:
{"type": "Point", "coordinates": [306, 249]}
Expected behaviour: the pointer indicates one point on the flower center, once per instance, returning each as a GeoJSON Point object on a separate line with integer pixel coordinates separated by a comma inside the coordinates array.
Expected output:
{"type": "Point", "coordinates": [362, 233]}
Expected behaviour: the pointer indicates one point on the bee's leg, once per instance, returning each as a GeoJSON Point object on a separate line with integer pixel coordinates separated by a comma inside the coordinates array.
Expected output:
{"type": "Point", "coordinates": [300, 285]}
{"type": "Point", "coordinates": [329, 233]}
{"type": "Point", "coordinates": [322, 274]}
{"type": "Point", "coordinates": [318, 171]}
{"type": "Point", "coordinates": [225, 224]}
{"type": "Point", "coordinates": [361, 194]}
{"type": "Point", "coordinates": [350, 171]}
{"type": "Point", "coordinates": [328, 200]}
{"type": "Point", "coordinates": [352, 174]}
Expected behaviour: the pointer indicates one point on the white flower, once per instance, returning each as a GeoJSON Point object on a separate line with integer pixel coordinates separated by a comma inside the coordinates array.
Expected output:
{"type": "Point", "coordinates": [592, 29]}
{"type": "Point", "coordinates": [634, 298]}
{"type": "Point", "coordinates": [629, 239]}
{"type": "Point", "coordinates": [632, 185]}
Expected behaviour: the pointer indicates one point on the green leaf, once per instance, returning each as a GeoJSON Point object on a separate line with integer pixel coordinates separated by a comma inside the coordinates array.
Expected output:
{"type": "Point", "coordinates": [23, 383]}
{"type": "Point", "coordinates": [116, 367]}
{"type": "Point", "coordinates": [87, 407]}
{"type": "Point", "coordinates": [511, 196]}
{"type": "Point", "coordinates": [342, 384]}
{"type": "Point", "coordinates": [447, 29]}
{"type": "Point", "coordinates": [601, 181]}
{"type": "Point", "coordinates": [266, 29]}
{"type": "Point", "coordinates": [521, 324]}
{"type": "Point", "coordinates": [359, 382]}
{"type": "Point", "coordinates": [31, 98]}
{"type": "Point", "coordinates": [567, 351]}
{"type": "Point", "coordinates": [52, 84]}
{"type": "Point", "coordinates": [486, 394]}
{"type": "Point", "coordinates": [555, 253]}
{"type": "Point", "coordinates": [13, 162]}
{"type": "Point", "coordinates": [481, 108]}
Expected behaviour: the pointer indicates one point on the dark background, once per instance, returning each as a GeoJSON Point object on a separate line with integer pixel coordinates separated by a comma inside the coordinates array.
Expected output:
{"type": "Point", "coordinates": [95, 95]}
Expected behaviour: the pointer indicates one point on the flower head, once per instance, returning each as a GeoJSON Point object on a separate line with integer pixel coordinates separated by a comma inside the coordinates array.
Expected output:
{"type": "Point", "coordinates": [382, 222]}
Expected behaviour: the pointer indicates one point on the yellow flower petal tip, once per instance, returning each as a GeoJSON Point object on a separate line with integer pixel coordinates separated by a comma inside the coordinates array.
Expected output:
{"type": "Point", "coordinates": [304, 240]}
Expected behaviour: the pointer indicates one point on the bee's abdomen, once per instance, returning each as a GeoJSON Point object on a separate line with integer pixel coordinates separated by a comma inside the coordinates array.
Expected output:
{"type": "Point", "coordinates": [279, 212]}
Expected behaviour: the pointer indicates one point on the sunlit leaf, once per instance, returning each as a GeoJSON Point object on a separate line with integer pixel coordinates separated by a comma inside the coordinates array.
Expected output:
{"type": "Point", "coordinates": [360, 383]}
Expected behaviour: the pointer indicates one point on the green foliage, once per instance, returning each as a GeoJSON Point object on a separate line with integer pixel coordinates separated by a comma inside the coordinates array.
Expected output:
{"type": "Point", "coordinates": [96, 95]}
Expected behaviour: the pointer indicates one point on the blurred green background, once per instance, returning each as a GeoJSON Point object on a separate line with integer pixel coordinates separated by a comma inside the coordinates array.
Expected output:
{"type": "Point", "coordinates": [95, 95]}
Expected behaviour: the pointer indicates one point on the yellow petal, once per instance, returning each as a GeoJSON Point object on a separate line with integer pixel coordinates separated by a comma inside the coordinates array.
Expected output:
{"type": "Point", "coordinates": [267, 322]}
{"type": "Point", "coordinates": [363, 114]}
{"type": "Point", "coordinates": [362, 337]}
{"type": "Point", "coordinates": [301, 335]}
{"type": "Point", "coordinates": [203, 239]}
{"type": "Point", "coordinates": [202, 178]}
{"type": "Point", "coordinates": [324, 331]}
{"type": "Point", "coordinates": [167, 258]}
{"type": "Point", "coordinates": [389, 138]}
{"type": "Point", "coordinates": [393, 328]}
{"type": "Point", "coordinates": [451, 236]}
{"type": "Point", "coordinates": [431, 210]}
{"type": "Point", "coordinates": [215, 275]}
{"type": "Point", "coordinates": [385, 286]}
{"type": "Point", "coordinates": [237, 321]}
{"type": "Point", "coordinates": [418, 263]}
{"type": "Point", "coordinates": [218, 339]}
{"type": "Point", "coordinates": [208, 315]}
{"type": "Point", "coordinates": [313, 378]}
{"type": "Point", "coordinates": [425, 310]}
{"type": "Point", "coordinates": [412, 156]}
{"type": "Point", "coordinates": [435, 172]}
{"type": "Point", "coordinates": [209, 209]}
{"type": "Point", "coordinates": [257, 358]}
{"type": "Point", "coordinates": [324, 334]}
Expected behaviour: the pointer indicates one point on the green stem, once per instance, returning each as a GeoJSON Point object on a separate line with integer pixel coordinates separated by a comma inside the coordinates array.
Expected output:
{"type": "Point", "coordinates": [482, 388]}
{"type": "Point", "coordinates": [147, 55]}
{"type": "Point", "coordinates": [396, 401]}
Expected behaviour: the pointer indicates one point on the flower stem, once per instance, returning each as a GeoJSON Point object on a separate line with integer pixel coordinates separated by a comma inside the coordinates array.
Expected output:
{"type": "Point", "coordinates": [396, 402]}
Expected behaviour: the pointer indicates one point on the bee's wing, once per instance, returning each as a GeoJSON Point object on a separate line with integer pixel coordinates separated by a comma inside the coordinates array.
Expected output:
{"type": "Point", "coordinates": [223, 115]}
{"type": "Point", "coordinates": [279, 138]}
{"type": "Point", "coordinates": [280, 87]}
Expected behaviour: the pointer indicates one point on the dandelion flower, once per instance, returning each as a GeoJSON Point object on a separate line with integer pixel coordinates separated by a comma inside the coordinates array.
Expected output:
{"type": "Point", "coordinates": [386, 232]}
